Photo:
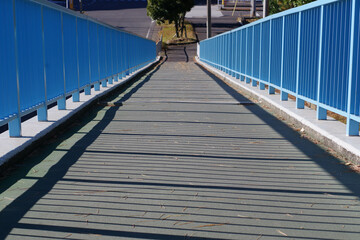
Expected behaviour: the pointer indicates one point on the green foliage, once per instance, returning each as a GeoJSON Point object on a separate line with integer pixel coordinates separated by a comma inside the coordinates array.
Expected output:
{"type": "Point", "coordinates": [170, 10]}
{"type": "Point", "coordinates": [276, 6]}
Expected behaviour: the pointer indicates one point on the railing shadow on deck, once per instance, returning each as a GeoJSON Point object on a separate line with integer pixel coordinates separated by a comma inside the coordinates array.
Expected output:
{"type": "Point", "coordinates": [9, 218]}
{"type": "Point", "coordinates": [329, 163]}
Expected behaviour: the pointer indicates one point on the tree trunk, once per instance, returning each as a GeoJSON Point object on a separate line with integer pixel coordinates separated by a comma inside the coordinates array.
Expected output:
{"type": "Point", "coordinates": [182, 24]}
{"type": "Point", "coordinates": [177, 28]}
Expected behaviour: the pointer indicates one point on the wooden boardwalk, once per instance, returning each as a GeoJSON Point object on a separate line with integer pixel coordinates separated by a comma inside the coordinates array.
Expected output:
{"type": "Point", "coordinates": [180, 155]}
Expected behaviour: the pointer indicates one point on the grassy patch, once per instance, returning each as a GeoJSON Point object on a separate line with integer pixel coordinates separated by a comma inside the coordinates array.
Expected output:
{"type": "Point", "coordinates": [169, 36]}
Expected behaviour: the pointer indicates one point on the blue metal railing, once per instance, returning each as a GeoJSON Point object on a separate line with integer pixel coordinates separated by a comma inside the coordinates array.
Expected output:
{"type": "Point", "coordinates": [311, 52]}
{"type": "Point", "coordinates": [48, 53]}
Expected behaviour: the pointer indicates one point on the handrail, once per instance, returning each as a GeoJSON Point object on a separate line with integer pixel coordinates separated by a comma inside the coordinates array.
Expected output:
{"type": "Point", "coordinates": [48, 53]}
{"type": "Point", "coordinates": [311, 52]}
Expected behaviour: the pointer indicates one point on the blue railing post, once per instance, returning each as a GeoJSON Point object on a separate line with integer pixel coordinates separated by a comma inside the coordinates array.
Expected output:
{"type": "Point", "coordinates": [15, 124]}
{"type": "Point", "coordinates": [241, 55]}
{"type": "Point", "coordinates": [233, 53]}
{"type": "Point", "coordinates": [261, 84]}
{"type": "Point", "coordinates": [104, 83]}
{"type": "Point", "coordinates": [253, 81]}
{"type": "Point", "coordinates": [299, 102]}
{"type": "Point", "coordinates": [237, 56]}
{"type": "Point", "coordinates": [97, 83]}
{"type": "Point", "coordinates": [247, 80]}
{"type": "Point", "coordinates": [76, 95]}
{"type": "Point", "coordinates": [42, 111]}
{"type": "Point", "coordinates": [15, 127]}
{"type": "Point", "coordinates": [61, 103]}
{"type": "Point", "coordinates": [321, 112]}
{"type": "Point", "coordinates": [87, 89]}
{"type": "Point", "coordinates": [97, 86]}
{"type": "Point", "coordinates": [271, 89]}
{"type": "Point", "coordinates": [352, 126]}
{"type": "Point", "coordinates": [283, 95]}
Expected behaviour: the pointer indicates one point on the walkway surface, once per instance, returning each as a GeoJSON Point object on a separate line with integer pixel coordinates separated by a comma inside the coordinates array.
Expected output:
{"type": "Point", "coordinates": [180, 155]}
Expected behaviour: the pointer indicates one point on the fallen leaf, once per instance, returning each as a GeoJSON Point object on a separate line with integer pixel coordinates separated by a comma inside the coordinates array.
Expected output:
{"type": "Point", "coordinates": [210, 225]}
{"type": "Point", "coordinates": [185, 223]}
{"type": "Point", "coordinates": [173, 215]}
{"type": "Point", "coordinates": [282, 233]}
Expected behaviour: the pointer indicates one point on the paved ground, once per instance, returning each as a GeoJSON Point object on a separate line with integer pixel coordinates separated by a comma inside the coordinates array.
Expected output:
{"type": "Point", "coordinates": [132, 19]}
{"type": "Point", "coordinates": [184, 157]}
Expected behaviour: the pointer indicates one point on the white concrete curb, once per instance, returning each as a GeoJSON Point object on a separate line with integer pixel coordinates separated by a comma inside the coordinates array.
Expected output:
{"type": "Point", "coordinates": [330, 132]}
{"type": "Point", "coordinates": [32, 130]}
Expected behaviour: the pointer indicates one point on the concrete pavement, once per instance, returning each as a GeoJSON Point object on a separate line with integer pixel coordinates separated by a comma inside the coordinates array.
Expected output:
{"type": "Point", "coordinates": [131, 19]}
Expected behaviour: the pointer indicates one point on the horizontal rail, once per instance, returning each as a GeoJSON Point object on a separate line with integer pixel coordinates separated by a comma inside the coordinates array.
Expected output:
{"type": "Point", "coordinates": [50, 53]}
{"type": "Point", "coordinates": [311, 52]}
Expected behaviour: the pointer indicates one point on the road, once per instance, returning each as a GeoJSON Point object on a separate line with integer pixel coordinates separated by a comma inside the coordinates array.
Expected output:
{"type": "Point", "coordinates": [132, 19]}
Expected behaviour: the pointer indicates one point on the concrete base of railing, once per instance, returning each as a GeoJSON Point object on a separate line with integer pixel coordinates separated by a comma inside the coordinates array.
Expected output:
{"type": "Point", "coordinates": [33, 130]}
{"type": "Point", "coordinates": [330, 133]}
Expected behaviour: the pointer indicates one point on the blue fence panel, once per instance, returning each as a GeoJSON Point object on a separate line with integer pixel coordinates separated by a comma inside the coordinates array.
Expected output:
{"type": "Point", "coordinates": [265, 47]}
{"type": "Point", "coordinates": [8, 82]}
{"type": "Point", "coordinates": [70, 52]}
{"type": "Point", "coordinates": [48, 52]}
{"type": "Point", "coordinates": [276, 42]}
{"type": "Point", "coordinates": [249, 48]}
{"type": "Point", "coordinates": [116, 52]}
{"type": "Point", "coordinates": [83, 51]}
{"type": "Point", "coordinates": [312, 52]}
{"type": "Point", "coordinates": [243, 51]}
{"type": "Point", "coordinates": [109, 66]}
{"type": "Point", "coordinates": [31, 63]}
{"type": "Point", "coordinates": [94, 52]}
{"type": "Point", "coordinates": [53, 53]}
{"type": "Point", "coordinates": [309, 49]}
{"type": "Point", "coordinates": [290, 52]}
{"type": "Point", "coordinates": [256, 51]}
{"type": "Point", "coordinates": [102, 52]}
{"type": "Point", "coordinates": [335, 65]}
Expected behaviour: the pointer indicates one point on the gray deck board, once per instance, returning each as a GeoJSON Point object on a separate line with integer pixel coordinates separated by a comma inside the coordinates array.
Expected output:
{"type": "Point", "coordinates": [180, 159]}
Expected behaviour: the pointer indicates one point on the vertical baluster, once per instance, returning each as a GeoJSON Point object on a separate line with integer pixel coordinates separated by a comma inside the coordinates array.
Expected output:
{"type": "Point", "coordinates": [88, 88]}
{"type": "Point", "coordinates": [15, 124]}
{"type": "Point", "coordinates": [352, 126]}
{"type": "Point", "coordinates": [97, 84]}
{"type": "Point", "coordinates": [253, 82]}
{"type": "Point", "coordinates": [61, 103]}
{"type": "Point", "coordinates": [261, 84]}
{"type": "Point", "coordinates": [246, 55]}
{"type": "Point", "coordinates": [271, 89]}
{"type": "Point", "coordinates": [321, 112]}
{"type": "Point", "coordinates": [76, 95]}
{"type": "Point", "coordinates": [283, 95]}
{"type": "Point", "coordinates": [42, 111]}
{"type": "Point", "coordinates": [299, 102]}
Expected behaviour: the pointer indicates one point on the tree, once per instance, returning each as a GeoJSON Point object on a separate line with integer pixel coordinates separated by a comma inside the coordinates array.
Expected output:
{"type": "Point", "coordinates": [282, 5]}
{"type": "Point", "coordinates": [173, 11]}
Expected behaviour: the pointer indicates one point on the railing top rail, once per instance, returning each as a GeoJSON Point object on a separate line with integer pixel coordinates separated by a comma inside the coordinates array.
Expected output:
{"type": "Point", "coordinates": [83, 16]}
{"type": "Point", "coordinates": [302, 8]}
